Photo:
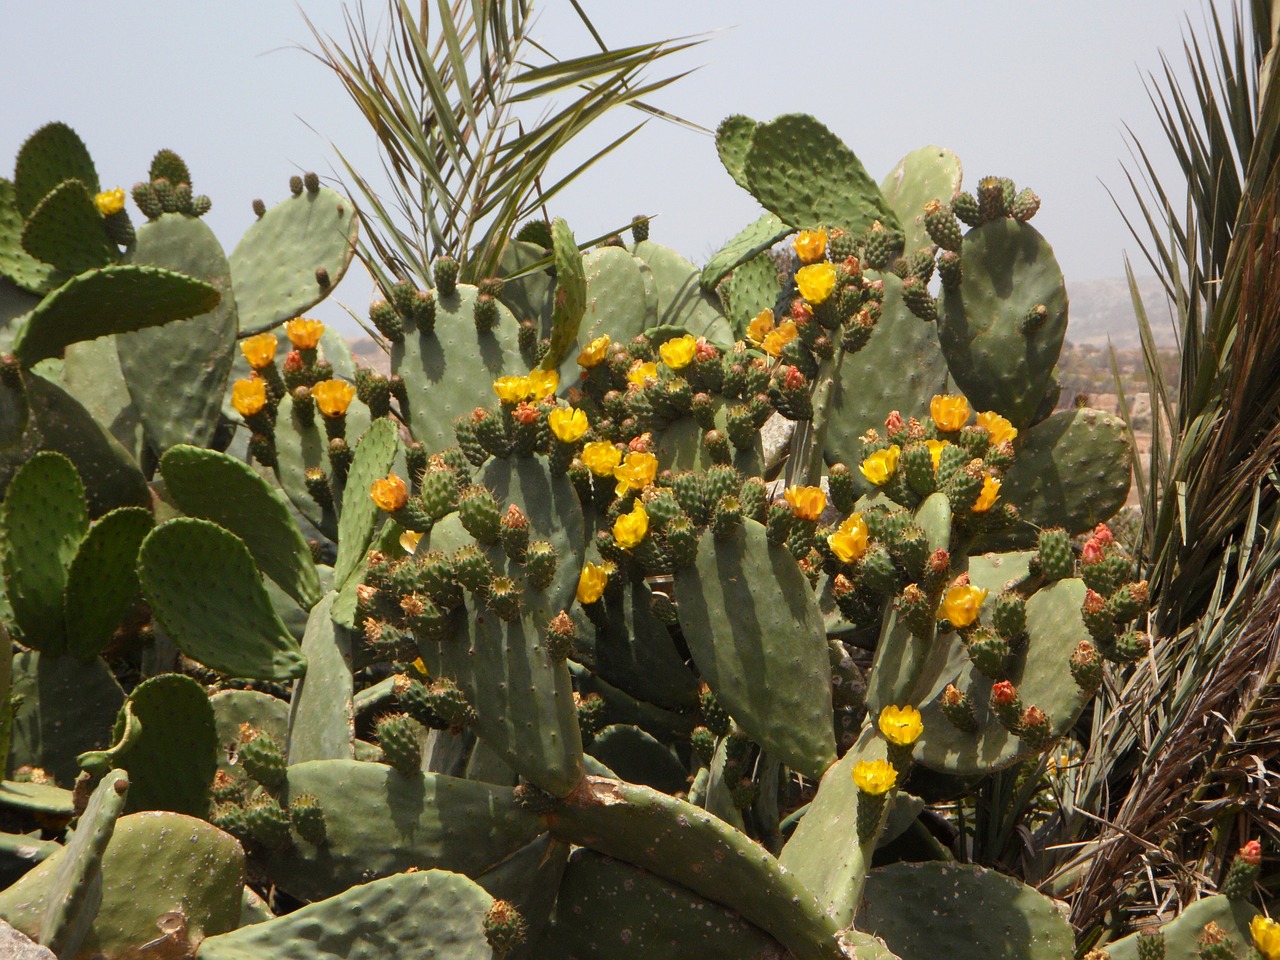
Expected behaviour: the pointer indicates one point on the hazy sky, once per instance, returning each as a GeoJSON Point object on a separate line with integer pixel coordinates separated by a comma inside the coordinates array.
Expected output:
{"type": "Point", "coordinates": [1040, 92]}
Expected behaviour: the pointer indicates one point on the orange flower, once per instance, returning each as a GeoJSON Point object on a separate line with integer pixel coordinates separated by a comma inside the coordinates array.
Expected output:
{"type": "Point", "coordinates": [990, 493]}
{"type": "Point", "coordinates": [635, 472]}
{"type": "Point", "coordinates": [259, 350]}
{"type": "Point", "coordinates": [303, 333]}
{"type": "Point", "coordinates": [601, 457]}
{"type": "Point", "coordinates": [810, 245]}
{"type": "Point", "coordinates": [807, 503]}
{"type": "Point", "coordinates": [333, 396]}
{"type": "Point", "coordinates": [249, 396]}
{"type": "Point", "coordinates": [390, 494]}
{"type": "Point", "coordinates": [760, 327]}
{"type": "Point", "coordinates": [949, 411]}
{"type": "Point", "coordinates": [997, 426]}
{"type": "Point", "coordinates": [567, 423]}
{"type": "Point", "coordinates": [778, 338]}
{"type": "Point", "coordinates": [849, 542]}
{"type": "Point", "coordinates": [593, 353]}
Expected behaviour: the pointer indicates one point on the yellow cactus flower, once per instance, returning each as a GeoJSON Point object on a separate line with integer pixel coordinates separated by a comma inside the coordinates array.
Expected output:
{"type": "Point", "coordinates": [303, 333]}
{"type": "Point", "coordinates": [542, 383]}
{"type": "Point", "coordinates": [333, 396]}
{"type": "Point", "coordinates": [807, 503]}
{"type": "Point", "coordinates": [511, 389]}
{"type": "Point", "coordinates": [874, 777]}
{"type": "Point", "coordinates": [601, 457]}
{"type": "Point", "coordinates": [778, 338]}
{"type": "Point", "coordinates": [1266, 936]}
{"type": "Point", "coordinates": [761, 326]}
{"type": "Point", "coordinates": [390, 493]}
{"type": "Point", "coordinates": [418, 664]}
{"type": "Point", "coordinates": [592, 581]}
{"type": "Point", "coordinates": [109, 201]}
{"type": "Point", "coordinates": [901, 726]}
{"type": "Point", "coordinates": [678, 353]}
{"type": "Point", "coordinates": [810, 245]}
{"type": "Point", "coordinates": [593, 353]}
{"type": "Point", "coordinates": [630, 528]}
{"type": "Point", "coordinates": [989, 495]}
{"type": "Point", "coordinates": [568, 424]}
{"type": "Point", "coordinates": [259, 350]}
{"type": "Point", "coordinates": [816, 281]}
{"type": "Point", "coordinates": [961, 604]}
{"type": "Point", "coordinates": [935, 450]}
{"type": "Point", "coordinates": [642, 371]}
{"type": "Point", "coordinates": [249, 396]}
{"type": "Point", "coordinates": [997, 426]}
{"type": "Point", "coordinates": [635, 472]}
{"type": "Point", "coordinates": [409, 542]}
{"type": "Point", "coordinates": [949, 411]}
{"type": "Point", "coordinates": [880, 467]}
{"type": "Point", "coordinates": [849, 542]}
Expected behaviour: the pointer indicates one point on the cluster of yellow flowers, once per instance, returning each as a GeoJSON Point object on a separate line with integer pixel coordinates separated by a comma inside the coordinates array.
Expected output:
{"type": "Point", "coordinates": [769, 336]}
{"type": "Point", "coordinates": [635, 471]}
{"type": "Point", "coordinates": [109, 202]}
{"type": "Point", "coordinates": [849, 542]}
{"type": "Point", "coordinates": [592, 581]}
{"type": "Point", "coordinates": [535, 385]}
{"type": "Point", "coordinates": [902, 727]}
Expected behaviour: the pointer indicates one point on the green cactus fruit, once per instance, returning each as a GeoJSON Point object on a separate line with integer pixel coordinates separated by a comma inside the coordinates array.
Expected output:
{"type": "Point", "coordinates": [504, 928]}
{"type": "Point", "coordinates": [1010, 617]}
{"type": "Point", "coordinates": [1057, 562]}
{"type": "Point", "coordinates": [842, 488]}
{"type": "Point", "coordinates": [965, 206]}
{"type": "Point", "coordinates": [989, 652]}
{"type": "Point", "coordinates": [444, 273]}
{"type": "Point", "coordinates": [963, 487]}
{"type": "Point", "coordinates": [591, 714]}
{"type": "Point", "coordinates": [726, 518]}
{"type": "Point", "coordinates": [1006, 706]}
{"type": "Point", "coordinates": [562, 636]}
{"type": "Point", "coordinates": [435, 576]}
{"type": "Point", "coordinates": [387, 321]}
{"type": "Point", "coordinates": [485, 312]}
{"type": "Point", "coordinates": [1086, 666]}
{"type": "Point", "coordinates": [415, 700]}
{"type": "Point", "coordinates": [640, 228]}
{"type": "Point", "coordinates": [514, 533]}
{"type": "Point", "coordinates": [875, 572]}
{"type": "Point", "coordinates": [307, 817]}
{"type": "Point", "coordinates": [1243, 873]}
{"type": "Point", "coordinates": [915, 294]}
{"type": "Point", "coordinates": [231, 818]}
{"type": "Point", "coordinates": [148, 200]}
{"type": "Point", "coordinates": [1035, 728]}
{"type": "Point", "coordinates": [917, 467]}
{"type": "Point", "coordinates": [713, 715]}
{"type": "Point", "coordinates": [540, 564]}
{"type": "Point", "coordinates": [1130, 646]}
{"type": "Point", "coordinates": [991, 198]}
{"type": "Point", "coordinates": [941, 223]}
{"type": "Point", "coordinates": [438, 493]}
{"type": "Point", "coordinates": [1024, 205]}
{"type": "Point", "coordinates": [450, 703]}
{"type": "Point", "coordinates": [703, 742]}
{"type": "Point", "coordinates": [480, 514]}
{"type": "Point", "coordinates": [226, 788]}
{"type": "Point", "coordinates": [1105, 575]}
{"type": "Point", "coordinates": [957, 707]}
{"type": "Point", "coordinates": [268, 823]}
{"type": "Point", "coordinates": [427, 619]}
{"type": "Point", "coordinates": [505, 598]}
{"type": "Point", "coordinates": [950, 270]}
{"type": "Point", "coordinates": [262, 759]}
{"type": "Point", "coordinates": [398, 737]}
{"type": "Point", "coordinates": [882, 246]}
{"type": "Point", "coordinates": [682, 542]}
{"type": "Point", "coordinates": [1128, 602]}
{"type": "Point", "coordinates": [778, 523]}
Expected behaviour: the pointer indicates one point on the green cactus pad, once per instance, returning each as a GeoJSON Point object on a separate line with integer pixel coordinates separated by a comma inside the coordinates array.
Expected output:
{"type": "Point", "coordinates": [1041, 673]}
{"type": "Point", "coordinates": [929, 173]}
{"type": "Point", "coordinates": [997, 361]}
{"type": "Point", "coordinates": [39, 798]}
{"type": "Point", "coordinates": [622, 297]}
{"type": "Point", "coordinates": [233, 708]}
{"type": "Point", "coordinates": [91, 374]}
{"type": "Point", "coordinates": [16, 264]}
{"type": "Point", "coordinates": [450, 371]}
{"type": "Point", "coordinates": [321, 717]}
{"type": "Point", "coordinates": [375, 453]}
{"type": "Point", "coordinates": [1181, 934]}
{"type": "Point", "coordinates": [19, 853]}
{"type": "Point", "coordinates": [1073, 470]}
{"type": "Point", "coordinates": [302, 446]}
{"type": "Point", "coordinates": [1001, 918]}
{"type": "Point", "coordinates": [733, 141]}
{"type": "Point", "coordinates": [901, 368]}
{"type": "Point", "coordinates": [218, 487]}
{"type": "Point", "coordinates": [43, 520]}
{"type": "Point", "coordinates": [203, 586]}
{"type": "Point", "coordinates": [102, 581]}
{"type": "Point", "coordinates": [52, 154]}
{"type": "Point", "coordinates": [633, 650]}
{"type": "Point", "coordinates": [752, 240]}
{"type": "Point", "coordinates": [621, 707]}
{"type": "Point", "coordinates": [71, 901]}
{"type": "Point", "coordinates": [274, 265]}
{"type": "Point", "coordinates": [753, 287]}
{"type": "Point", "coordinates": [898, 673]}
{"type": "Point", "coordinates": [753, 625]}
{"type": "Point", "coordinates": [172, 762]}
{"type": "Point", "coordinates": [529, 879]}
{"type": "Point", "coordinates": [379, 822]}
{"type": "Point", "coordinates": [156, 863]}
{"type": "Point", "coordinates": [429, 914]}
{"type": "Point", "coordinates": [522, 698]}
{"type": "Point", "coordinates": [532, 296]}
{"type": "Point", "coordinates": [66, 708]}
{"type": "Point", "coordinates": [681, 300]}
{"type": "Point", "coordinates": [804, 173]}
{"type": "Point", "coordinates": [637, 757]}
{"type": "Point", "coordinates": [65, 230]}
{"type": "Point", "coordinates": [571, 294]}
{"type": "Point", "coordinates": [177, 372]}
{"type": "Point", "coordinates": [825, 853]}
{"type": "Point", "coordinates": [635, 915]}
{"type": "Point", "coordinates": [687, 845]}
{"type": "Point", "coordinates": [58, 422]}
{"type": "Point", "coordinates": [114, 299]}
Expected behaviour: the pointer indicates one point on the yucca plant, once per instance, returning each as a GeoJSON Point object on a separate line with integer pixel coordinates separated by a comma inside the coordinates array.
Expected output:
{"type": "Point", "coordinates": [470, 112]}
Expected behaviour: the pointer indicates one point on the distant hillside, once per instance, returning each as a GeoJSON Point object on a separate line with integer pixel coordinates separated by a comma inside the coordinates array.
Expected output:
{"type": "Point", "coordinates": [1103, 308]}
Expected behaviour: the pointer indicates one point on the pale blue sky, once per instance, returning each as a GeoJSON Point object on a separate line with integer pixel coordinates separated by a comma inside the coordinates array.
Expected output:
{"type": "Point", "coordinates": [1036, 91]}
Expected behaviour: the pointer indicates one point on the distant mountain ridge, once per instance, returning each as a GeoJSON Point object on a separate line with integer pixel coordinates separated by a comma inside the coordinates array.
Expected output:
{"type": "Point", "coordinates": [1102, 309]}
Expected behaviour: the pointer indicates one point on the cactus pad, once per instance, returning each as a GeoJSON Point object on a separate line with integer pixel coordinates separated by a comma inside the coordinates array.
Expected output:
{"type": "Point", "coordinates": [102, 581]}
{"type": "Point", "coordinates": [65, 230]}
{"type": "Point", "coordinates": [49, 156]}
{"type": "Point", "coordinates": [929, 173]}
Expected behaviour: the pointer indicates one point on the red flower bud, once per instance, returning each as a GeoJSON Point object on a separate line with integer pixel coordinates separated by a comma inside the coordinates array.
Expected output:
{"type": "Point", "coordinates": [1004, 694]}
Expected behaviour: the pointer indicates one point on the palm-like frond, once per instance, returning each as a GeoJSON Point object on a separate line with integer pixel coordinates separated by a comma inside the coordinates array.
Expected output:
{"type": "Point", "coordinates": [453, 96]}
